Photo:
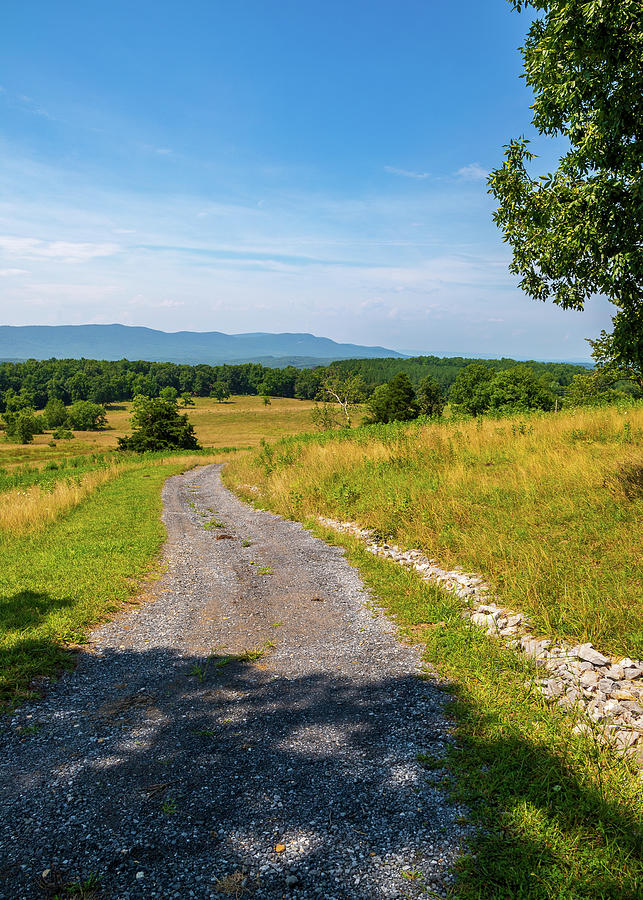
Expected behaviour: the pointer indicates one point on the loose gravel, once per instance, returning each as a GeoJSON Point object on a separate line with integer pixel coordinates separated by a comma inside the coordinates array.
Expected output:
{"type": "Point", "coordinates": [252, 729]}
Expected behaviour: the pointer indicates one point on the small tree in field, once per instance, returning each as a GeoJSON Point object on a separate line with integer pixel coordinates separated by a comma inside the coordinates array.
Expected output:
{"type": "Point", "coordinates": [169, 393]}
{"type": "Point", "coordinates": [347, 391]}
{"type": "Point", "coordinates": [158, 425]}
{"type": "Point", "coordinates": [220, 391]}
{"type": "Point", "coordinates": [84, 415]}
{"type": "Point", "coordinates": [429, 397]}
{"type": "Point", "coordinates": [55, 413]}
{"type": "Point", "coordinates": [470, 391]}
{"type": "Point", "coordinates": [393, 402]}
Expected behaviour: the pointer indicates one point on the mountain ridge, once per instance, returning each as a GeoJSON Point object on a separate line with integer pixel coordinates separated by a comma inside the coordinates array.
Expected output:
{"type": "Point", "coordinates": [116, 341]}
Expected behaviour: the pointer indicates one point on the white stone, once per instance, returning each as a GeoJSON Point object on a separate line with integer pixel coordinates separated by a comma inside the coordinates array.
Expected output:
{"type": "Point", "coordinates": [587, 653]}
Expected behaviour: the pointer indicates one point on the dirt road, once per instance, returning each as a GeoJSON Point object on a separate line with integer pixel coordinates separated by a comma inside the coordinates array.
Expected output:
{"type": "Point", "coordinates": [254, 729]}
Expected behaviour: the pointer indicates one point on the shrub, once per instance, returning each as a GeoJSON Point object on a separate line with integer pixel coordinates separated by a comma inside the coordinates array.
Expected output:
{"type": "Point", "coordinates": [21, 425]}
{"type": "Point", "coordinates": [158, 425]}
{"type": "Point", "coordinates": [55, 413]}
{"type": "Point", "coordinates": [87, 416]}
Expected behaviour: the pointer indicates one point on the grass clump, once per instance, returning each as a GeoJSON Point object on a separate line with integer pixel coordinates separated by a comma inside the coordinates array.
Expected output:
{"type": "Point", "coordinates": [546, 507]}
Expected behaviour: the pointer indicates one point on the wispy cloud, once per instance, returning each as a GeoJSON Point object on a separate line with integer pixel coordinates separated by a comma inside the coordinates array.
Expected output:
{"type": "Point", "coordinates": [406, 173]}
{"type": "Point", "coordinates": [64, 251]}
{"type": "Point", "coordinates": [473, 172]}
{"type": "Point", "coordinates": [7, 273]}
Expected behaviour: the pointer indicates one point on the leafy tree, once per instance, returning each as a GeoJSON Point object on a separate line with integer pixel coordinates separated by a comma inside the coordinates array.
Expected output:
{"type": "Point", "coordinates": [519, 388]}
{"type": "Point", "coordinates": [158, 425]}
{"type": "Point", "coordinates": [21, 425]}
{"type": "Point", "coordinates": [429, 397]}
{"type": "Point", "coordinates": [266, 399]}
{"type": "Point", "coordinates": [619, 355]}
{"type": "Point", "coordinates": [169, 393]}
{"type": "Point", "coordinates": [470, 390]}
{"type": "Point", "coordinates": [591, 390]}
{"type": "Point", "coordinates": [55, 413]}
{"type": "Point", "coordinates": [393, 402]}
{"type": "Point", "coordinates": [83, 415]}
{"type": "Point", "coordinates": [220, 391]}
{"type": "Point", "coordinates": [579, 231]}
{"type": "Point", "coordinates": [186, 399]}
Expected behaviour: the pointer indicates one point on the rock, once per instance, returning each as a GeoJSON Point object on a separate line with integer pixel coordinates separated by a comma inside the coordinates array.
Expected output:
{"type": "Point", "coordinates": [589, 678]}
{"type": "Point", "coordinates": [623, 695]}
{"type": "Point", "coordinates": [513, 621]}
{"type": "Point", "coordinates": [615, 672]}
{"type": "Point", "coordinates": [625, 739]}
{"type": "Point", "coordinates": [632, 672]}
{"type": "Point", "coordinates": [606, 686]}
{"type": "Point", "coordinates": [291, 880]}
{"type": "Point", "coordinates": [533, 647]}
{"type": "Point", "coordinates": [553, 687]}
{"type": "Point", "coordinates": [483, 619]}
{"type": "Point", "coordinates": [586, 653]}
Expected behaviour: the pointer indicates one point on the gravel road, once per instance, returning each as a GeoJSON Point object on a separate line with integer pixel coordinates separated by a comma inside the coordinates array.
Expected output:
{"type": "Point", "coordinates": [177, 762]}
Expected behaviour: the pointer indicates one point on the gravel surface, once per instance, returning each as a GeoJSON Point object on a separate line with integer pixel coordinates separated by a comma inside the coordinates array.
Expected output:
{"type": "Point", "coordinates": [176, 762]}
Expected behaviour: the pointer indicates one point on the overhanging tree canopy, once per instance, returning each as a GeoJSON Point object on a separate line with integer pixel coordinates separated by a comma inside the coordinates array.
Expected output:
{"type": "Point", "coordinates": [579, 231]}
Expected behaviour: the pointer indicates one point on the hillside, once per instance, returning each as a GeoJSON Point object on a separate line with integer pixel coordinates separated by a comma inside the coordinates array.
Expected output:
{"type": "Point", "coordinates": [112, 342]}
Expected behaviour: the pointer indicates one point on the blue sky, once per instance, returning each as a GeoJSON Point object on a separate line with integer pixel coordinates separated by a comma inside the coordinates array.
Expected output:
{"type": "Point", "coordinates": [243, 165]}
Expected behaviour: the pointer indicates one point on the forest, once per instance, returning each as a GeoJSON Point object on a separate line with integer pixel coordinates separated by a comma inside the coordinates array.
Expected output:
{"type": "Point", "coordinates": [34, 382]}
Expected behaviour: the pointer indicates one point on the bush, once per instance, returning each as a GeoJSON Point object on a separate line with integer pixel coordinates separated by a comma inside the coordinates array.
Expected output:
{"type": "Point", "coordinates": [55, 413]}
{"type": "Point", "coordinates": [158, 425]}
{"type": "Point", "coordinates": [478, 389]}
{"type": "Point", "coordinates": [87, 416]}
{"type": "Point", "coordinates": [21, 425]}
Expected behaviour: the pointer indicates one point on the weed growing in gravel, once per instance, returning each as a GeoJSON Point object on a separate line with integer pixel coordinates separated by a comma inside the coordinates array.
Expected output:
{"type": "Point", "coordinates": [246, 543]}
{"type": "Point", "coordinates": [266, 570]}
{"type": "Point", "coordinates": [200, 669]}
{"type": "Point", "coordinates": [168, 807]}
{"type": "Point", "coordinates": [428, 761]}
{"type": "Point", "coordinates": [213, 523]}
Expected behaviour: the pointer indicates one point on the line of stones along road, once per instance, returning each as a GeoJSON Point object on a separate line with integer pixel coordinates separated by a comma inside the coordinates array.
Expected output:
{"type": "Point", "coordinates": [606, 691]}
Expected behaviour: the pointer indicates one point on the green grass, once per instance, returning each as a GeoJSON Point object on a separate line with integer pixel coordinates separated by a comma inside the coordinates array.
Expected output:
{"type": "Point", "coordinates": [548, 507]}
{"type": "Point", "coordinates": [559, 817]}
{"type": "Point", "coordinates": [56, 584]}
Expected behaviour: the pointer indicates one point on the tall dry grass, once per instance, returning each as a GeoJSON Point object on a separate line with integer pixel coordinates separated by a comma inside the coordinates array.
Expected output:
{"type": "Point", "coordinates": [32, 509]}
{"type": "Point", "coordinates": [543, 506]}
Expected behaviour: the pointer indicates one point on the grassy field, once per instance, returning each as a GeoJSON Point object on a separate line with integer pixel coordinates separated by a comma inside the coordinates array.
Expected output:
{"type": "Point", "coordinates": [238, 422]}
{"type": "Point", "coordinates": [548, 508]}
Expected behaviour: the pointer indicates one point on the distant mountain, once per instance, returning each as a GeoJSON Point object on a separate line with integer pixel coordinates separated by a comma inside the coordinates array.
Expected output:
{"type": "Point", "coordinates": [212, 347]}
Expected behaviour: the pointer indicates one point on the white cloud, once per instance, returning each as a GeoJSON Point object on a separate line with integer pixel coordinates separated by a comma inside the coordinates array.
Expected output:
{"type": "Point", "coordinates": [65, 251]}
{"type": "Point", "coordinates": [473, 172]}
{"type": "Point", "coordinates": [7, 273]}
{"type": "Point", "coordinates": [406, 173]}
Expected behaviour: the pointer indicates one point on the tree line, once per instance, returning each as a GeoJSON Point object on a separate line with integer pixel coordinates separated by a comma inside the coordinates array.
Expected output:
{"type": "Point", "coordinates": [35, 382]}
